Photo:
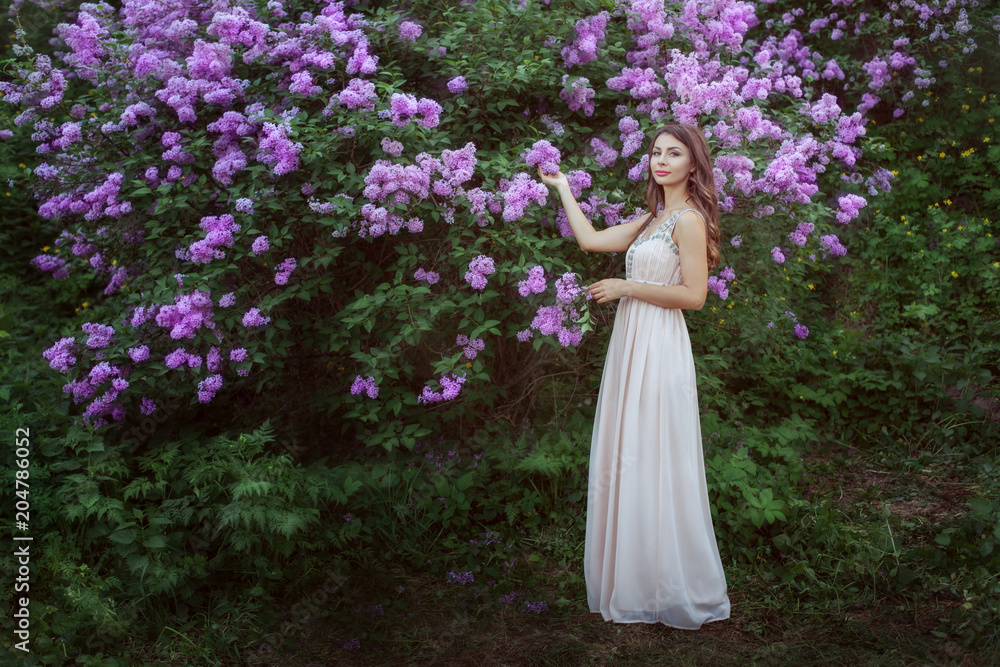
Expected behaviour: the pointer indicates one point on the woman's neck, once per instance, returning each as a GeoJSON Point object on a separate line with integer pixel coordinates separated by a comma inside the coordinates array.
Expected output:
{"type": "Point", "coordinates": [676, 197]}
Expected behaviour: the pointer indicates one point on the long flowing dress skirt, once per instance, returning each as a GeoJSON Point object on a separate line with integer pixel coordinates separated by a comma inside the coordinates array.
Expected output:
{"type": "Point", "coordinates": [650, 552]}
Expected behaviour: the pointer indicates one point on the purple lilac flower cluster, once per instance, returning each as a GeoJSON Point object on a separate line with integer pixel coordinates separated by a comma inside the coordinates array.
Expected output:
{"type": "Point", "coordinates": [534, 283]}
{"type": "Point", "coordinates": [472, 346]}
{"type": "Point", "coordinates": [717, 284]}
{"type": "Point", "coordinates": [186, 315]}
{"type": "Point", "coordinates": [365, 385]}
{"type": "Point", "coordinates": [410, 31]}
{"type": "Point", "coordinates": [194, 58]}
{"type": "Point", "coordinates": [850, 207]}
{"type": "Point", "coordinates": [801, 234]}
{"type": "Point", "coordinates": [557, 319]}
{"type": "Point", "coordinates": [430, 276]}
{"type": "Point", "coordinates": [605, 155]}
{"type": "Point", "coordinates": [406, 107]}
{"type": "Point", "coordinates": [578, 94]}
{"type": "Point", "coordinates": [60, 356]}
{"type": "Point", "coordinates": [589, 32]}
{"type": "Point", "coordinates": [831, 243]}
{"type": "Point", "coordinates": [253, 318]}
{"type": "Point", "coordinates": [518, 193]}
{"type": "Point", "coordinates": [535, 607]}
{"type": "Point", "coordinates": [543, 154]}
{"type": "Point", "coordinates": [396, 184]}
{"type": "Point", "coordinates": [460, 578]}
{"type": "Point", "coordinates": [451, 385]}
{"type": "Point", "coordinates": [284, 270]}
{"type": "Point", "coordinates": [220, 230]}
{"type": "Point", "coordinates": [479, 268]}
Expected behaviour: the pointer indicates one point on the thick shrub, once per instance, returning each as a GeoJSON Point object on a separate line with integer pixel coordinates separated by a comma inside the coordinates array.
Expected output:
{"type": "Point", "coordinates": [347, 194]}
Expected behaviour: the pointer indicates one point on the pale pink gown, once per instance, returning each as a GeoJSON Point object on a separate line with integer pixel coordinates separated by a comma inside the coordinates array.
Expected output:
{"type": "Point", "coordinates": [650, 553]}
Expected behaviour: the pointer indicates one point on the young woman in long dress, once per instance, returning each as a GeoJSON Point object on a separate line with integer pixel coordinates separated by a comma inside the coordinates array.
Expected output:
{"type": "Point", "coordinates": [650, 554]}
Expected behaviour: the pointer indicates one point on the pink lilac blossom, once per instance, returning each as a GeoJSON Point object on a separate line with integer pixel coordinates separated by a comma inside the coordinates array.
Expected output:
{"type": "Point", "coordinates": [850, 207]}
{"type": "Point", "coordinates": [359, 94]}
{"type": "Point", "coordinates": [631, 136]}
{"type": "Point", "coordinates": [139, 354]}
{"type": "Point", "coordinates": [260, 245]}
{"type": "Point", "coordinates": [826, 109]}
{"type": "Point", "coordinates": [457, 85]}
{"type": "Point", "coordinates": [638, 172]}
{"type": "Point", "coordinates": [777, 255]}
{"type": "Point", "coordinates": [277, 149]}
{"type": "Point", "coordinates": [244, 205]}
{"type": "Point", "coordinates": [239, 354]}
{"type": "Point", "coordinates": [365, 385]}
{"type": "Point", "coordinates": [405, 107]}
{"type": "Point", "coordinates": [641, 83]}
{"type": "Point", "coordinates": [801, 331]}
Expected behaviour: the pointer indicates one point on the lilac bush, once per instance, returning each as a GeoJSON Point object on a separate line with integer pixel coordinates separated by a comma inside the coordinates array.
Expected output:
{"type": "Point", "coordinates": [248, 179]}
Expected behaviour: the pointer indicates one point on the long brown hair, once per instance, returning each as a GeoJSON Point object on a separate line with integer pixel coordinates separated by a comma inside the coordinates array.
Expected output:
{"type": "Point", "coordinates": [701, 186]}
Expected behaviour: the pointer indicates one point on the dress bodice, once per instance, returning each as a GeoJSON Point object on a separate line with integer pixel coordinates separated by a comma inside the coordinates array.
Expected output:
{"type": "Point", "coordinates": [656, 259]}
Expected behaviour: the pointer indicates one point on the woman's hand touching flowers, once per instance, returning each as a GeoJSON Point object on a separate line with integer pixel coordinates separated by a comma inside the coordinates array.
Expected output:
{"type": "Point", "coordinates": [609, 289]}
{"type": "Point", "coordinates": [556, 180]}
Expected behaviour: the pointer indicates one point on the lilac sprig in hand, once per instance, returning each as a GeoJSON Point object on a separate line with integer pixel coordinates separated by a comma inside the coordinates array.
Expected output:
{"type": "Point", "coordinates": [543, 155]}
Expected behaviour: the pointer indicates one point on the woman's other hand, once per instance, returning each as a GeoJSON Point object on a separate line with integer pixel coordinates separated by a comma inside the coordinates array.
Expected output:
{"type": "Point", "coordinates": [609, 289]}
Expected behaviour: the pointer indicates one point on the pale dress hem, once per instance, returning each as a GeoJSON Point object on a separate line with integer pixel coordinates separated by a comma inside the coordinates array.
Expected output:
{"type": "Point", "coordinates": [609, 619]}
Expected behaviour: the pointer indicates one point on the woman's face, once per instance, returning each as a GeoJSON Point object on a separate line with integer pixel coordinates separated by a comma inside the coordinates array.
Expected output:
{"type": "Point", "coordinates": [670, 162]}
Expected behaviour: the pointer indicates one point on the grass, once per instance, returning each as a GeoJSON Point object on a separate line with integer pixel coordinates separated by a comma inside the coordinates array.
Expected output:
{"type": "Point", "coordinates": [850, 621]}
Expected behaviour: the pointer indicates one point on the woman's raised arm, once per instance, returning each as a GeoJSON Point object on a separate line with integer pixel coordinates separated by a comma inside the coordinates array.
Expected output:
{"type": "Point", "coordinates": [613, 239]}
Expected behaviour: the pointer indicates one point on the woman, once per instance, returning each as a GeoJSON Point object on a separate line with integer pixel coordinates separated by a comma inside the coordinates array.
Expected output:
{"type": "Point", "coordinates": [650, 553]}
